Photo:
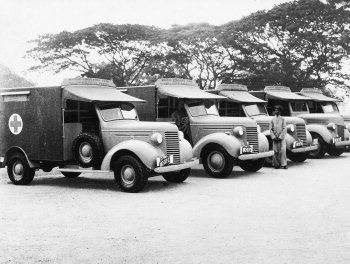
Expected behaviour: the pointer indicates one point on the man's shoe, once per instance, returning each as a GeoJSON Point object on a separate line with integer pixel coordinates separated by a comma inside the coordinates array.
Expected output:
{"type": "Point", "coordinates": [285, 167]}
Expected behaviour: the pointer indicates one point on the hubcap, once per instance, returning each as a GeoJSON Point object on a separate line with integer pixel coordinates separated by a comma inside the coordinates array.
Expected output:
{"type": "Point", "coordinates": [85, 152]}
{"type": "Point", "coordinates": [216, 161]}
{"type": "Point", "coordinates": [127, 174]}
{"type": "Point", "coordinates": [18, 170]}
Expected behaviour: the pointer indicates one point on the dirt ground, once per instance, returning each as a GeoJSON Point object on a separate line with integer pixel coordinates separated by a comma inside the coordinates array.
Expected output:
{"type": "Point", "coordinates": [299, 215]}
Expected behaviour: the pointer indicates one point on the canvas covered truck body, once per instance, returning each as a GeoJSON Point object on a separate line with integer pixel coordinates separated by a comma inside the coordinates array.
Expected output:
{"type": "Point", "coordinates": [87, 122]}
{"type": "Point", "coordinates": [328, 129]}
{"type": "Point", "coordinates": [220, 142]}
{"type": "Point", "coordinates": [239, 102]}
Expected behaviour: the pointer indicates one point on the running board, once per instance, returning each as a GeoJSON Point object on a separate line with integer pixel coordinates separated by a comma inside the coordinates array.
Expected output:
{"type": "Point", "coordinates": [81, 170]}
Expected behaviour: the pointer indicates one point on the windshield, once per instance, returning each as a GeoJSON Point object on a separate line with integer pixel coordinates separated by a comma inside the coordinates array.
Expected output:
{"type": "Point", "coordinates": [299, 106]}
{"type": "Point", "coordinates": [255, 109]}
{"type": "Point", "coordinates": [202, 108]}
{"type": "Point", "coordinates": [112, 112]}
{"type": "Point", "coordinates": [330, 107]}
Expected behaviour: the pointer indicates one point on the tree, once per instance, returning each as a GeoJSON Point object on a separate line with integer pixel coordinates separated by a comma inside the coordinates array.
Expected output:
{"type": "Point", "coordinates": [300, 43]}
{"type": "Point", "coordinates": [118, 52]}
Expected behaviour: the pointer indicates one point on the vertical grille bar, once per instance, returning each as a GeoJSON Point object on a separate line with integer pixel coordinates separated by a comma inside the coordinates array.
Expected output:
{"type": "Point", "coordinates": [172, 145]}
{"type": "Point", "coordinates": [301, 133]}
{"type": "Point", "coordinates": [252, 138]}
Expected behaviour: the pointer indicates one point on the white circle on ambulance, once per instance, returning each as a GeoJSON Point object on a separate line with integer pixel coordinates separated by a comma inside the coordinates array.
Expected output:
{"type": "Point", "coordinates": [15, 124]}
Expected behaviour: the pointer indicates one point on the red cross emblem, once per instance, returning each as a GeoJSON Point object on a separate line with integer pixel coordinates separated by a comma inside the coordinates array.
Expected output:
{"type": "Point", "coordinates": [15, 124]}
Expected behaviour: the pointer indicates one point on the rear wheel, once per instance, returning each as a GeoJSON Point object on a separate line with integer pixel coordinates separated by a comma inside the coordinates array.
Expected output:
{"type": "Point", "coordinates": [321, 149]}
{"type": "Point", "coordinates": [335, 152]}
{"type": "Point", "coordinates": [217, 162]}
{"type": "Point", "coordinates": [130, 174]}
{"type": "Point", "coordinates": [70, 175]}
{"type": "Point", "coordinates": [296, 157]}
{"type": "Point", "coordinates": [177, 176]}
{"type": "Point", "coordinates": [19, 170]}
{"type": "Point", "coordinates": [252, 165]}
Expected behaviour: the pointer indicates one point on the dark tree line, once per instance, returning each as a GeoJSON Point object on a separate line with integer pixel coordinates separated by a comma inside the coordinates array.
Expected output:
{"type": "Point", "coordinates": [299, 44]}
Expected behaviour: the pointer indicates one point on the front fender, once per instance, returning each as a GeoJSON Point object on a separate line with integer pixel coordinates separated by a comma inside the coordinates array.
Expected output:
{"type": "Point", "coordinates": [321, 130]}
{"type": "Point", "coordinates": [308, 138]}
{"type": "Point", "coordinates": [146, 152]}
{"type": "Point", "coordinates": [263, 142]}
{"type": "Point", "coordinates": [230, 143]}
{"type": "Point", "coordinates": [186, 153]}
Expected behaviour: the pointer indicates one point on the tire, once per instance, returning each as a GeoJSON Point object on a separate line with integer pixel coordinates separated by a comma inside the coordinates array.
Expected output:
{"type": "Point", "coordinates": [224, 161]}
{"type": "Point", "coordinates": [88, 150]}
{"type": "Point", "coordinates": [252, 165]}
{"type": "Point", "coordinates": [296, 157]}
{"type": "Point", "coordinates": [70, 175]}
{"type": "Point", "coordinates": [19, 171]}
{"type": "Point", "coordinates": [130, 174]}
{"type": "Point", "coordinates": [335, 152]}
{"type": "Point", "coordinates": [177, 176]}
{"type": "Point", "coordinates": [321, 150]}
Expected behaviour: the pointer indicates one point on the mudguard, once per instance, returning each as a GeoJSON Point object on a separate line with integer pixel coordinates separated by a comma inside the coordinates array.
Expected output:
{"type": "Point", "coordinates": [263, 142]}
{"type": "Point", "coordinates": [308, 138]}
{"type": "Point", "coordinates": [186, 153]}
{"type": "Point", "coordinates": [230, 143]}
{"type": "Point", "coordinates": [146, 152]}
{"type": "Point", "coordinates": [321, 130]}
{"type": "Point", "coordinates": [16, 149]}
{"type": "Point", "coordinates": [346, 134]}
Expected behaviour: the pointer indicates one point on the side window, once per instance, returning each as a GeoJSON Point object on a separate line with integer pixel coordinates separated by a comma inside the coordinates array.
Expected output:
{"type": "Point", "coordinates": [230, 109]}
{"type": "Point", "coordinates": [166, 106]}
{"type": "Point", "coordinates": [79, 112]}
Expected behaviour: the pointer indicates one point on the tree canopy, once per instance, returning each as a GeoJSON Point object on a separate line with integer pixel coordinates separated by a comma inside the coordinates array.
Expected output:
{"type": "Point", "coordinates": [299, 43]}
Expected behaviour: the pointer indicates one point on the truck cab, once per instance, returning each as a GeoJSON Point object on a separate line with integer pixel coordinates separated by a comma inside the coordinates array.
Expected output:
{"type": "Point", "coordinates": [219, 142]}
{"type": "Point", "coordinates": [239, 102]}
{"type": "Point", "coordinates": [328, 129]}
{"type": "Point", "coordinates": [87, 125]}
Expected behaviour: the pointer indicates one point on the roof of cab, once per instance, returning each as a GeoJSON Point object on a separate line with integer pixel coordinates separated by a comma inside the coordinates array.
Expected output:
{"type": "Point", "coordinates": [183, 88]}
{"type": "Point", "coordinates": [282, 92]}
{"type": "Point", "coordinates": [238, 93]}
{"type": "Point", "coordinates": [317, 95]}
{"type": "Point", "coordinates": [94, 90]}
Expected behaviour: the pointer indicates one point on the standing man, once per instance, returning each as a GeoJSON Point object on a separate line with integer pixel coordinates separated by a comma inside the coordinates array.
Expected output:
{"type": "Point", "coordinates": [179, 116]}
{"type": "Point", "coordinates": [278, 132]}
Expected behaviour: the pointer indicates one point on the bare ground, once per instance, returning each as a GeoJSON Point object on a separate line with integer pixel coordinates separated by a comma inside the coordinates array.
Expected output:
{"type": "Point", "coordinates": [299, 215]}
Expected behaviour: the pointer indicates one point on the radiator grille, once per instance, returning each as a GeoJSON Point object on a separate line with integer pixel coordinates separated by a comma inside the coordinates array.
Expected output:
{"type": "Point", "coordinates": [301, 133]}
{"type": "Point", "coordinates": [172, 145]}
{"type": "Point", "coordinates": [340, 131]}
{"type": "Point", "coordinates": [252, 138]}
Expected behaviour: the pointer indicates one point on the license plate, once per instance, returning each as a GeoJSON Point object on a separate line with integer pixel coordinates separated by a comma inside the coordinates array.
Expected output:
{"type": "Point", "coordinates": [335, 140]}
{"type": "Point", "coordinates": [165, 161]}
{"type": "Point", "coordinates": [246, 149]}
{"type": "Point", "coordinates": [298, 144]}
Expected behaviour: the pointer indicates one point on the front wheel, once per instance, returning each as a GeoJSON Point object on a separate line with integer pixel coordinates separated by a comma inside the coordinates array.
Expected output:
{"type": "Point", "coordinates": [19, 170]}
{"type": "Point", "coordinates": [321, 149]}
{"type": "Point", "coordinates": [297, 157]}
{"type": "Point", "coordinates": [130, 174]}
{"type": "Point", "coordinates": [217, 162]}
{"type": "Point", "coordinates": [335, 152]}
{"type": "Point", "coordinates": [177, 176]}
{"type": "Point", "coordinates": [252, 165]}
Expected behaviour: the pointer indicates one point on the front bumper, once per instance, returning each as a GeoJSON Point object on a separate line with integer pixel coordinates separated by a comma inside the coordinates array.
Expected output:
{"type": "Point", "coordinates": [304, 149]}
{"type": "Point", "coordinates": [342, 144]}
{"type": "Point", "coordinates": [260, 155]}
{"type": "Point", "coordinates": [177, 167]}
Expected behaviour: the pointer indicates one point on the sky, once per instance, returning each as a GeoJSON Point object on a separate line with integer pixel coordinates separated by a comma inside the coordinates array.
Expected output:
{"type": "Point", "coordinates": [24, 20]}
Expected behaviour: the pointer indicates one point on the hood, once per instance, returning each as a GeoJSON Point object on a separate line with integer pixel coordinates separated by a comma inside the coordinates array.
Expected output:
{"type": "Point", "coordinates": [289, 119]}
{"type": "Point", "coordinates": [324, 119]}
{"type": "Point", "coordinates": [224, 120]}
{"type": "Point", "coordinates": [135, 125]}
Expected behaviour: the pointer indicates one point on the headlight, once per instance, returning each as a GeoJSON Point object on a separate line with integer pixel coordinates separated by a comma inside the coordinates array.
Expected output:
{"type": "Point", "coordinates": [258, 128]}
{"type": "Point", "coordinates": [291, 128]}
{"type": "Point", "coordinates": [238, 131]}
{"type": "Point", "coordinates": [331, 126]}
{"type": "Point", "coordinates": [181, 135]}
{"type": "Point", "coordinates": [157, 138]}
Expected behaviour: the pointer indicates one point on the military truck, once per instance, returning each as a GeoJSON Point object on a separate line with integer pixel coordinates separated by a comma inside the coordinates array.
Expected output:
{"type": "Point", "coordinates": [219, 142]}
{"type": "Point", "coordinates": [87, 125]}
{"type": "Point", "coordinates": [239, 102]}
{"type": "Point", "coordinates": [320, 103]}
{"type": "Point", "coordinates": [328, 129]}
